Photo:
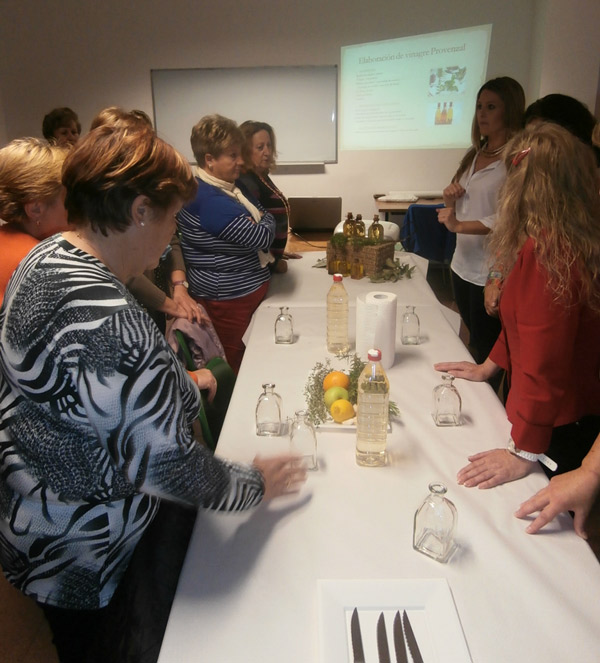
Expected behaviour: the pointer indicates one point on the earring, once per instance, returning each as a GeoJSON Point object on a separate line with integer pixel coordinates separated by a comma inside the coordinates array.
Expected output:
{"type": "Point", "coordinates": [142, 224]}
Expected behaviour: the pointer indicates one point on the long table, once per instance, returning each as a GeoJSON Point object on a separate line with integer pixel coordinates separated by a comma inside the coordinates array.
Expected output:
{"type": "Point", "coordinates": [249, 589]}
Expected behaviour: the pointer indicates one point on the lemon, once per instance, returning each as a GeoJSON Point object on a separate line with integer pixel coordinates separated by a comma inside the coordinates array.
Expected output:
{"type": "Point", "coordinates": [341, 410]}
{"type": "Point", "coordinates": [336, 379]}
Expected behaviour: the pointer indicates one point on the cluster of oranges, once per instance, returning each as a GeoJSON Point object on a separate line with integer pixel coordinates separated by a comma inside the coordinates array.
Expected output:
{"type": "Point", "coordinates": [335, 389]}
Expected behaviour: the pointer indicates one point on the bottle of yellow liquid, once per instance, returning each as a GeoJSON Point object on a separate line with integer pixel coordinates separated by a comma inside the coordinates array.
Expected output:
{"type": "Point", "coordinates": [376, 229]}
{"type": "Point", "coordinates": [438, 114]}
{"type": "Point", "coordinates": [450, 114]}
{"type": "Point", "coordinates": [372, 412]}
{"type": "Point", "coordinates": [444, 118]}
{"type": "Point", "coordinates": [349, 225]}
{"type": "Point", "coordinates": [359, 226]}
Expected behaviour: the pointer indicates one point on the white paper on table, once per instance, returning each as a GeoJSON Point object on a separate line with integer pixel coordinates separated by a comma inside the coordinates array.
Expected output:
{"type": "Point", "coordinates": [376, 325]}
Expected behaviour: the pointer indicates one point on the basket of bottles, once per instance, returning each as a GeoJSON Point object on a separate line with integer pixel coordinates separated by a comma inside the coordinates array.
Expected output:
{"type": "Point", "coordinates": [341, 255]}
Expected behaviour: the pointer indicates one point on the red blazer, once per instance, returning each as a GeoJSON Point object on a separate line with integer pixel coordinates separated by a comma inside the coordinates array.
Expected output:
{"type": "Point", "coordinates": [551, 353]}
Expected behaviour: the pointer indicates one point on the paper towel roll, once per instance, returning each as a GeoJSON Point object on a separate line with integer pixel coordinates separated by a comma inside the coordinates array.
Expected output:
{"type": "Point", "coordinates": [376, 325]}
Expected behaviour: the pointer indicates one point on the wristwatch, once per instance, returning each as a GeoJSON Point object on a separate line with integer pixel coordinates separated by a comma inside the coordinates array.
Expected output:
{"type": "Point", "coordinates": [527, 455]}
{"type": "Point", "coordinates": [184, 283]}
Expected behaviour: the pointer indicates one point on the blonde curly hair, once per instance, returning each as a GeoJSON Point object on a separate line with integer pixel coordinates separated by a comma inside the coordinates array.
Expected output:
{"type": "Point", "coordinates": [30, 171]}
{"type": "Point", "coordinates": [551, 195]}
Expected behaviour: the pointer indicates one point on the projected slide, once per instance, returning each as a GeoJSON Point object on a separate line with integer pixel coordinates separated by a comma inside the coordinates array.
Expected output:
{"type": "Point", "coordinates": [414, 92]}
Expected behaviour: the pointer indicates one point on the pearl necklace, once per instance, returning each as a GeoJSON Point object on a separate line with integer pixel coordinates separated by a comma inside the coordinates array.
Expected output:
{"type": "Point", "coordinates": [277, 192]}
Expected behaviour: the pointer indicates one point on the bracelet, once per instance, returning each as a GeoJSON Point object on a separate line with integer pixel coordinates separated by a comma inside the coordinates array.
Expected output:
{"type": "Point", "coordinates": [496, 275]}
{"type": "Point", "coordinates": [494, 281]}
{"type": "Point", "coordinates": [527, 455]}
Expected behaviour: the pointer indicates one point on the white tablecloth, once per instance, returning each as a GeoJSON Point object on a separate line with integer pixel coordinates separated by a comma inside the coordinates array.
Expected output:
{"type": "Point", "coordinates": [249, 588]}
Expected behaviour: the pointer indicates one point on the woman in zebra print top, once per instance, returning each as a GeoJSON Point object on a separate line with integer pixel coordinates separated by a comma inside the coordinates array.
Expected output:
{"type": "Point", "coordinates": [95, 410]}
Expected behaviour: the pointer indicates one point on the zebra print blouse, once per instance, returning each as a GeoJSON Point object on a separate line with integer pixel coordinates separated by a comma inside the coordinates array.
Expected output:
{"type": "Point", "coordinates": [95, 417]}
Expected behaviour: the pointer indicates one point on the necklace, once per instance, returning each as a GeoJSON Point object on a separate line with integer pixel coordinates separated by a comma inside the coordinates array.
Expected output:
{"type": "Point", "coordinates": [273, 189]}
{"type": "Point", "coordinates": [492, 153]}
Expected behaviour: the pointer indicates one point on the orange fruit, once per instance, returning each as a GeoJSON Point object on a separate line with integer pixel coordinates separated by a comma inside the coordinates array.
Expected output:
{"type": "Point", "coordinates": [336, 379]}
{"type": "Point", "coordinates": [341, 410]}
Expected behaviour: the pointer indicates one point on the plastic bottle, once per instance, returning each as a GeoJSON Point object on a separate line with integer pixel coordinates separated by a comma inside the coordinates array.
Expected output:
{"type": "Point", "coordinates": [372, 413]}
{"type": "Point", "coordinates": [337, 317]}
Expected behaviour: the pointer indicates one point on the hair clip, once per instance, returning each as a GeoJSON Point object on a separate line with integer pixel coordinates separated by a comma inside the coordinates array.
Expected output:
{"type": "Point", "coordinates": [520, 156]}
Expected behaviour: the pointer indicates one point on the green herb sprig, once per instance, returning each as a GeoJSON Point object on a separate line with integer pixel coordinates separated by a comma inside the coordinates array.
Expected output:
{"type": "Point", "coordinates": [393, 271]}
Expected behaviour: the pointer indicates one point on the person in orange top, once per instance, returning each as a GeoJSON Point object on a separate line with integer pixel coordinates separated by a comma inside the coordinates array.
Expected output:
{"type": "Point", "coordinates": [31, 200]}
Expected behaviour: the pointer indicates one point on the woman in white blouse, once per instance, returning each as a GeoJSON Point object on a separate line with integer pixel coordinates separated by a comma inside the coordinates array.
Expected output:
{"type": "Point", "coordinates": [470, 204]}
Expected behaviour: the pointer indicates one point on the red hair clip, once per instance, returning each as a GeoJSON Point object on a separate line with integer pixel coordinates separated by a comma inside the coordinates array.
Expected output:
{"type": "Point", "coordinates": [520, 156]}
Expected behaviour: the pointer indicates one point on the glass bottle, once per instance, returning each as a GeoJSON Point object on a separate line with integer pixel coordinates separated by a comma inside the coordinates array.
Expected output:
{"type": "Point", "coordinates": [268, 412]}
{"type": "Point", "coordinates": [410, 327]}
{"type": "Point", "coordinates": [337, 317]}
{"type": "Point", "coordinates": [438, 114]}
{"type": "Point", "coordinates": [359, 226]}
{"type": "Point", "coordinates": [450, 114]}
{"type": "Point", "coordinates": [372, 412]}
{"type": "Point", "coordinates": [435, 524]}
{"type": "Point", "coordinates": [444, 117]}
{"type": "Point", "coordinates": [357, 271]}
{"type": "Point", "coordinates": [446, 402]}
{"type": "Point", "coordinates": [349, 226]}
{"type": "Point", "coordinates": [376, 229]}
{"type": "Point", "coordinates": [284, 328]}
{"type": "Point", "coordinates": [303, 439]}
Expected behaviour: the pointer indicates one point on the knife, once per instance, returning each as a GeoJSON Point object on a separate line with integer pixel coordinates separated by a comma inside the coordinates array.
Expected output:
{"type": "Point", "coordinates": [399, 645]}
{"type": "Point", "coordinates": [382, 641]}
{"type": "Point", "coordinates": [411, 641]}
{"type": "Point", "coordinates": [357, 645]}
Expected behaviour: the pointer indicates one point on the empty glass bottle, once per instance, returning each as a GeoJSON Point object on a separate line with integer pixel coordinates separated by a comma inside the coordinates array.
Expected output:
{"type": "Point", "coordinates": [268, 412]}
{"type": "Point", "coordinates": [410, 327]}
{"type": "Point", "coordinates": [435, 524]}
{"type": "Point", "coordinates": [284, 327]}
{"type": "Point", "coordinates": [303, 439]}
{"type": "Point", "coordinates": [446, 402]}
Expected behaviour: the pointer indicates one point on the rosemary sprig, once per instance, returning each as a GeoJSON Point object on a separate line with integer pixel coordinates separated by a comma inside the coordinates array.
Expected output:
{"type": "Point", "coordinates": [393, 271]}
{"type": "Point", "coordinates": [314, 394]}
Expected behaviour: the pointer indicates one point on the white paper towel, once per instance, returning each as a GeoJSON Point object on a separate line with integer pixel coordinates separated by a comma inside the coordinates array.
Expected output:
{"type": "Point", "coordinates": [376, 325]}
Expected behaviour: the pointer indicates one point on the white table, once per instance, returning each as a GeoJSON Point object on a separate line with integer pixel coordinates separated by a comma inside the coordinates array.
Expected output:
{"type": "Point", "coordinates": [249, 587]}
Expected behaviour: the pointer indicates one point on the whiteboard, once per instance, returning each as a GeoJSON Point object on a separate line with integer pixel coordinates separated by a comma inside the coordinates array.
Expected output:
{"type": "Point", "coordinates": [300, 103]}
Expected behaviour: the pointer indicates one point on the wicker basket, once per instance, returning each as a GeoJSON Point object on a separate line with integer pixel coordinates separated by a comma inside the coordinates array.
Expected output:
{"type": "Point", "coordinates": [372, 257]}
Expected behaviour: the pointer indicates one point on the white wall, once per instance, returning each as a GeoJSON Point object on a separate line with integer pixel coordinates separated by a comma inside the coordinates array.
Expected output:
{"type": "Point", "coordinates": [89, 55]}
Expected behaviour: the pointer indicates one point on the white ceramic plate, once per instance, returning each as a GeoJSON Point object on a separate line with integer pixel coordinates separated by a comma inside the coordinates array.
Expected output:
{"type": "Point", "coordinates": [428, 604]}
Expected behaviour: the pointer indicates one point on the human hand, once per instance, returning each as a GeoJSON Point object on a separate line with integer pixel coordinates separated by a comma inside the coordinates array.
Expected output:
{"type": "Point", "coordinates": [447, 216]}
{"type": "Point", "coordinates": [291, 256]}
{"type": "Point", "coordinates": [492, 468]}
{"type": "Point", "coordinates": [187, 307]}
{"type": "Point", "coordinates": [491, 298]}
{"type": "Point", "coordinates": [573, 491]}
{"type": "Point", "coordinates": [452, 193]}
{"type": "Point", "coordinates": [206, 380]}
{"type": "Point", "coordinates": [282, 475]}
{"type": "Point", "coordinates": [467, 370]}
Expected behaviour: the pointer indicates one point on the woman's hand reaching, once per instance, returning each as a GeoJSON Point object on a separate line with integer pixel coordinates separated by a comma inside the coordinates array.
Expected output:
{"type": "Point", "coordinates": [282, 474]}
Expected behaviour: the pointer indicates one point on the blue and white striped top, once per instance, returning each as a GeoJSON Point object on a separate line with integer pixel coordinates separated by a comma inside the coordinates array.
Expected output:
{"type": "Point", "coordinates": [220, 244]}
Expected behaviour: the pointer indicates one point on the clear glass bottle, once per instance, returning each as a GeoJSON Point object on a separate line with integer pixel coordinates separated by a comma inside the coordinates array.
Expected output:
{"type": "Point", "coordinates": [359, 226]}
{"type": "Point", "coordinates": [376, 229]}
{"type": "Point", "coordinates": [349, 226]}
{"type": "Point", "coordinates": [447, 403]}
{"type": "Point", "coordinates": [337, 317]}
{"type": "Point", "coordinates": [410, 327]}
{"type": "Point", "coordinates": [372, 413]}
{"type": "Point", "coordinates": [284, 327]}
{"type": "Point", "coordinates": [303, 439]}
{"type": "Point", "coordinates": [268, 412]}
{"type": "Point", "coordinates": [435, 524]}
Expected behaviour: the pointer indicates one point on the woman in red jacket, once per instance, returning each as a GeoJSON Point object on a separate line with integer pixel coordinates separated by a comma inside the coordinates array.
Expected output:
{"type": "Point", "coordinates": [548, 234]}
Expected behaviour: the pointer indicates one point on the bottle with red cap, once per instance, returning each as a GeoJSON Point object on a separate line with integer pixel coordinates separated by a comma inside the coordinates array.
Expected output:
{"type": "Point", "coordinates": [372, 412]}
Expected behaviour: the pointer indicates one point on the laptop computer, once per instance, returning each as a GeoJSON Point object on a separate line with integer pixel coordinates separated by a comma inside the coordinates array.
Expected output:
{"type": "Point", "coordinates": [315, 213]}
